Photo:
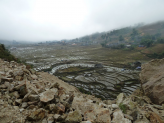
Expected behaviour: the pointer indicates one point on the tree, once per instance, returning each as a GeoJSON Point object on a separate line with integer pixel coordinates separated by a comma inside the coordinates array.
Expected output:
{"type": "Point", "coordinates": [160, 40]}
{"type": "Point", "coordinates": [157, 35]}
{"type": "Point", "coordinates": [3, 47]}
{"type": "Point", "coordinates": [122, 46]}
{"type": "Point", "coordinates": [103, 36]}
{"type": "Point", "coordinates": [121, 38]}
{"type": "Point", "coordinates": [147, 42]}
{"type": "Point", "coordinates": [134, 33]}
{"type": "Point", "coordinates": [103, 44]}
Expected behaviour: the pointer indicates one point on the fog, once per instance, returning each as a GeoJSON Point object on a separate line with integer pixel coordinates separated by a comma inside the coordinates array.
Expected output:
{"type": "Point", "coordinates": [39, 20]}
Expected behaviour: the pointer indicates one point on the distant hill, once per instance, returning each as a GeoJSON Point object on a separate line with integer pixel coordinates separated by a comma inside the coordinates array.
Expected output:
{"type": "Point", "coordinates": [148, 39]}
{"type": "Point", "coordinates": [127, 35]}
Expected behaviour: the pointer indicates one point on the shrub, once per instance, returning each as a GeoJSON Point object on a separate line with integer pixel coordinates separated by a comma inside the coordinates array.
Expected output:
{"type": "Point", "coordinates": [123, 107]}
{"type": "Point", "coordinates": [7, 56]}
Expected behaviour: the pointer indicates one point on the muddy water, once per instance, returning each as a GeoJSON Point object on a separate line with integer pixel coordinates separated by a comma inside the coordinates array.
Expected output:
{"type": "Point", "coordinates": [106, 82]}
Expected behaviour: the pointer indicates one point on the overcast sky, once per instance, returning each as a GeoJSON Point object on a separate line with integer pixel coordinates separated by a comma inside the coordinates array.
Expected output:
{"type": "Point", "coordinates": [38, 20]}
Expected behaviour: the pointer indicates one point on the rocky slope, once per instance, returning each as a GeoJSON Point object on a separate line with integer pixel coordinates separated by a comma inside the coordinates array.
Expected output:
{"type": "Point", "coordinates": [38, 97]}
{"type": "Point", "coordinates": [152, 78]}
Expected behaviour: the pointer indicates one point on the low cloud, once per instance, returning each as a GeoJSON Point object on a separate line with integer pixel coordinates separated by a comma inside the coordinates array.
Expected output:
{"type": "Point", "coordinates": [38, 20]}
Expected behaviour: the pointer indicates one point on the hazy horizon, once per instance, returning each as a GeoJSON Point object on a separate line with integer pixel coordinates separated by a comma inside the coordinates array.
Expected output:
{"type": "Point", "coordinates": [40, 20]}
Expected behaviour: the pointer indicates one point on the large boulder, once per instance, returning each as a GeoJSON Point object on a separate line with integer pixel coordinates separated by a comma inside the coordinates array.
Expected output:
{"type": "Point", "coordinates": [37, 115]}
{"type": "Point", "coordinates": [48, 95]}
{"type": "Point", "coordinates": [118, 117]}
{"type": "Point", "coordinates": [152, 80]}
{"type": "Point", "coordinates": [103, 116]}
{"type": "Point", "coordinates": [120, 98]}
{"type": "Point", "coordinates": [73, 117]}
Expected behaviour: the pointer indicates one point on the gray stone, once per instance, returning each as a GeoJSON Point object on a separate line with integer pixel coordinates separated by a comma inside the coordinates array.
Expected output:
{"type": "Point", "coordinates": [7, 79]}
{"type": "Point", "coordinates": [103, 116]}
{"type": "Point", "coordinates": [56, 116]}
{"type": "Point", "coordinates": [25, 99]}
{"type": "Point", "coordinates": [21, 110]}
{"type": "Point", "coordinates": [44, 120]}
{"type": "Point", "coordinates": [120, 98]}
{"type": "Point", "coordinates": [32, 71]}
{"type": "Point", "coordinates": [18, 101]}
{"type": "Point", "coordinates": [115, 106]}
{"type": "Point", "coordinates": [118, 117]}
{"type": "Point", "coordinates": [128, 116]}
{"type": "Point", "coordinates": [7, 84]}
{"type": "Point", "coordinates": [48, 95]}
{"type": "Point", "coordinates": [17, 73]}
{"type": "Point", "coordinates": [32, 97]}
{"type": "Point", "coordinates": [151, 77]}
{"type": "Point", "coordinates": [158, 107]}
{"type": "Point", "coordinates": [34, 77]}
{"type": "Point", "coordinates": [3, 86]}
{"type": "Point", "coordinates": [52, 107]}
{"type": "Point", "coordinates": [50, 118]}
{"type": "Point", "coordinates": [62, 117]}
{"type": "Point", "coordinates": [60, 108]}
{"type": "Point", "coordinates": [62, 97]}
{"type": "Point", "coordinates": [37, 115]}
{"type": "Point", "coordinates": [18, 78]}
{"type": "Point", "coordinates": [86, 122]}
{"type": "Point", "coordinates": [90, 115]}
{"type": "Point", "coordinates": [23, 90]}
{"type": "Point", "coordinates": [11, 87]}
{"type": "Point", "coordinates": [24, 105]}
{"type": "Point", "coordinates": [73, 117]}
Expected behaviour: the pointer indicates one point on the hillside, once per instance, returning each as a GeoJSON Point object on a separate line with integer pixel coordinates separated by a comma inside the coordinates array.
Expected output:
{"type": "Point", "coordinates": [129, 34]}
{"type": "Point", "coordinates": [148, 39]}
{"type": "Point", "coordinates": [5, 54]}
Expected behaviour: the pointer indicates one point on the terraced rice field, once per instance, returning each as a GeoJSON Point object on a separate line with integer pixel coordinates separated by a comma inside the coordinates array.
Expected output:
{"type": "Point", "coordinates": [106, 82]}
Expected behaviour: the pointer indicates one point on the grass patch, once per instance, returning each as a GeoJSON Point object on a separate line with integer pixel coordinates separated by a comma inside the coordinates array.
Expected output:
{"type": "Point", "coordinates": [123, 107]}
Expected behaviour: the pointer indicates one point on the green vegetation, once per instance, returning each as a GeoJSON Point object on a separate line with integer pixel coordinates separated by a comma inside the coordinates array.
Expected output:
{"type": "Point", "coordinates": [104, 44]}
{"type": "Point", "coordinates": [160, 40]}
{"type": "Point", "coordinates": [147, 42]}
{"type": "Point", "coordinates": [120, 46]}
{"type": "Point", "coordinates": [156, 51]}
{"type": "Point", "coordinates": [134, 33]}
{"type": "Point", "coordinates": [123, 107]}
{"type": "Point", "coordinates": [121, 38]}
{"type": "Point", "coordinates": [140, 36]}
{"type": "Point", "coordinates": [156, 55]}
{"type": "Point", "coordinates": [132, 47]}
{"type": "Point", "coordinates": [5, 54]}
